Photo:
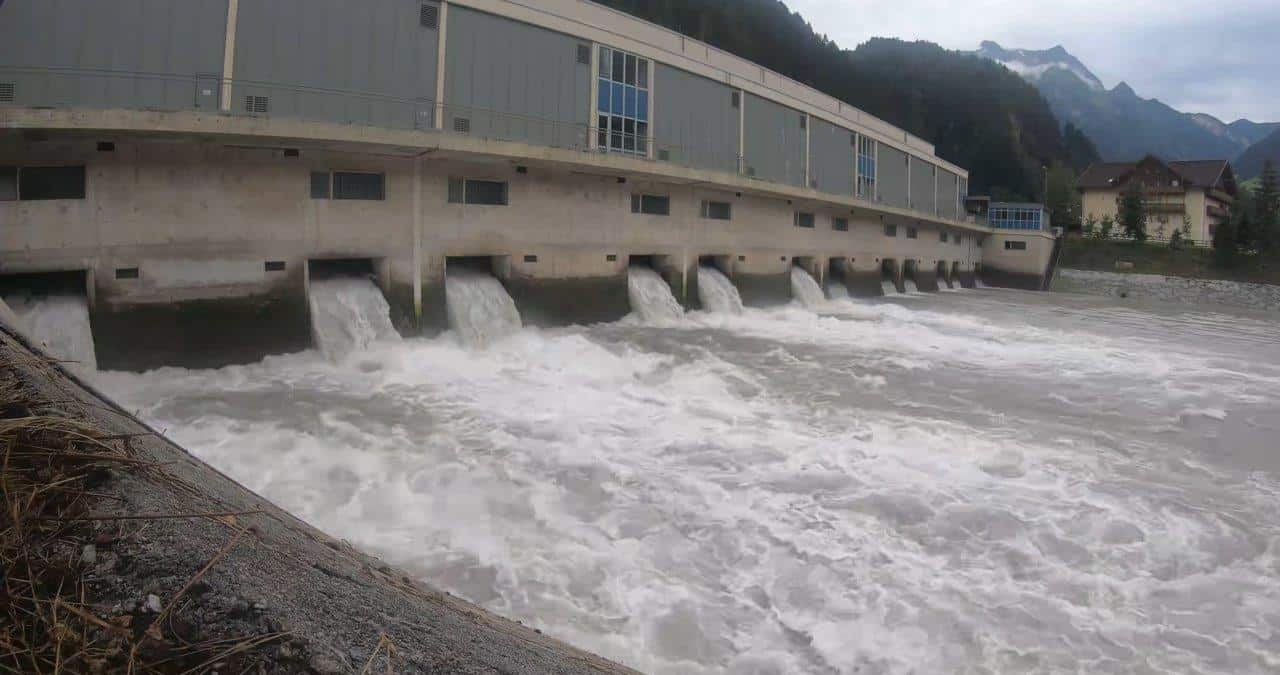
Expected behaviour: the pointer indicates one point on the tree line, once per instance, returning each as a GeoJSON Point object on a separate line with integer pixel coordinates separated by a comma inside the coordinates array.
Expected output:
{"type": "Point", "coordinates": [1253, 228]}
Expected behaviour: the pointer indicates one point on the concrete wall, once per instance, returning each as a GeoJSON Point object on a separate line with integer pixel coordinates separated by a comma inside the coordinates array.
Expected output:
{"type": "Point", "coordinates": [774, 143]}
{"type": "Point", "coordinates": [1024, 269]}
{"type": "Point", "coordinates": [891, 177]}
{"type": "Point", "coordinates": [695, 121]}
{"type": "Point", "coordinates": [199, 220]}
{"type": "Point", "coordinates": [832, 156]}
{"type": "Point", "coordinates": [514, 81]}
{"type": "Point", "coordinates": [89, 52]}
{"type": "Point", "coordinates": [309, 56]}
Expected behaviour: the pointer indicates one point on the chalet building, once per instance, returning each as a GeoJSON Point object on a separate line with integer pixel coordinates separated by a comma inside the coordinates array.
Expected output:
{"type": "Point", "coordinates": [1196, 195]}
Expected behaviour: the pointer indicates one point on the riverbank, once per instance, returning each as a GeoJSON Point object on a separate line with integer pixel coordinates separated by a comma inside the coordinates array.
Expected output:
{"type": "Point", "coordinates": [1191, 263]}
{"type": "Point", "coordinates": [1205, 293]}
{"type": "Point", "coordinates": [142, 557]}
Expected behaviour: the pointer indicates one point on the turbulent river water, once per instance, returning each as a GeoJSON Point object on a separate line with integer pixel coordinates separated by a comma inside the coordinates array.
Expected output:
{"type": "Point", "coordinates": [980, 481]}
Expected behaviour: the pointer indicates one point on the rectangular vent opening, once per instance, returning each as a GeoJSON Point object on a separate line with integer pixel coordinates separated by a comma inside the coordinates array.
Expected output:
{"type": "Point", "coordinates": [274, 266]}
{"type": "Point", "coordinates": [8, 92]}
{"type": "Point", "coordinates": [584, 54]}
{"type": "Point", "coordinates": [612, 257]}
{"type": "Point", "coordinates": [256, 105]}
{"type": "Point", "coordinates": [430, 17]}
{"type": "Point", "coordinates": [126, 273]}
{"type": "Point", "coordinates": [462, 125]}
{"type": "Point", "coordinates": [531, 258]}
{"type": "Point", "coordinates": [106, 146]}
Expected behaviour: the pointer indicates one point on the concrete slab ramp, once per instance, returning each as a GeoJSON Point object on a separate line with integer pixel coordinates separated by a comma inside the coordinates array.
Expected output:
{"type": "Point", "coordinates": [181, 554]}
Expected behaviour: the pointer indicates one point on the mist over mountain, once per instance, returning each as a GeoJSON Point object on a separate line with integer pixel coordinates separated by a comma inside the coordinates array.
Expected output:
{"type": "Point", "coordinates": [1123, 125]}
{"type": "Point", "coordinates": [1249, 164]}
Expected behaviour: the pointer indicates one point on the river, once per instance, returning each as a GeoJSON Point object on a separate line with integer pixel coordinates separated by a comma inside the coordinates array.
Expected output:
{"type": "Point", "coordinates": [977, 481]}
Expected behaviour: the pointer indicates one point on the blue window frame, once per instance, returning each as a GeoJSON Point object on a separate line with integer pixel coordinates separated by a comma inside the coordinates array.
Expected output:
{"type": "Point", "coordinates": [622, 124]}
{"type": "Point", "coordinates": [1017, 218]}
{"type": "Point", "coordinates": [866, 168]}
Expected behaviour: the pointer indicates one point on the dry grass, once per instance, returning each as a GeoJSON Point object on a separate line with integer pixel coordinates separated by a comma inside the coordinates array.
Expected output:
{"type": "Point", "coordinates": [56, 473]}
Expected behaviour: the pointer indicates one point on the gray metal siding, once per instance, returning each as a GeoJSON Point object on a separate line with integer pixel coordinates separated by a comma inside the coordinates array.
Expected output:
{"type": "Point", "coordinates": [948, 205]}
{"type": "Point", "coordinates": [694, 120]}
{"type": "Point", "coordinates": [891, 173]}
{"type": "Point", "coordinates": [774, 142]}
{"type": "Point", "coordinates": [922, 188]}
{"type": "Point", "coordinates": [832, 162]}
{"type": "Point", "coordinates": [348, 61]}
{"type": "Point", "coordinates": [117, 54]}
{"type": "Point", "coordinates": [515, 81]}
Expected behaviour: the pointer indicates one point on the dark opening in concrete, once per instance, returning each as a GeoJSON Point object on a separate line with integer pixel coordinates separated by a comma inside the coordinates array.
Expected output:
{"type": "Point", "coordinates": [486, 264]}
{"type": "Point", "coordinates": [341, 267]}
{"type": "Point", "coordinates": [724, 263]}
{"type": "Point", "coordinates": [943, 276]}
{"type": "Point", "coordinates": [38, 284]}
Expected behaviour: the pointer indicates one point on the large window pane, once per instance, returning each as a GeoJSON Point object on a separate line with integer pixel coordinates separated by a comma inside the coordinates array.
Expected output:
{"type": "Point", "coordinates": [631, 69]}
{"type": "Point", "coordinates": [619, 67]}
{"type": "Point", "coordinates": [642, 73]}
{"type": "Point", "coordinates": [361, 186]}
{"type": "Point", "coordinates": [602, 100]}
{"type": "Point", "coordinates": [642, 105]}
{"type": "Point", "coordinates": [619, 99]}
{"type": "Point", "coordinates": [630, 110]}
{"type": "Point", "coordinates": [606, 62]}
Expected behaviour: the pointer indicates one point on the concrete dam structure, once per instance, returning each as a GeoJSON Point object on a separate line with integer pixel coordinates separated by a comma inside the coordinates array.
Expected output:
{"type": "Point", "coordinates": [209, 180]}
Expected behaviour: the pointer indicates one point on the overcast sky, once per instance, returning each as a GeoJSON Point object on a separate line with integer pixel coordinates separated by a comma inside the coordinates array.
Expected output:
{"type": "Point", "coordinates": [1221, 58]}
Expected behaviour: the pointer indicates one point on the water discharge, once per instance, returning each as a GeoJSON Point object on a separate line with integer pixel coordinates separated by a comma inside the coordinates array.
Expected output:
{"type": "Point", "coordinates": [650, 296]}
{"type": "Point", "coordinates": [805, 289]}
{"type": "Point", "coordinates": [348, 315]}
{"type": "Point", "coordinates": [909, 287]}
{"type": "Point", "coordinates": [836, 290]}
{"type": "Point", "coordinates": [60, 323]}
{"type": "Point", "coordinates": [480, 310]}
{"type": "Point", "coordinates": [1030, 483]}
{"type": "Point", "coordinates": [888, 287]}
{"type": "Point", "coordinates": [717, 292]}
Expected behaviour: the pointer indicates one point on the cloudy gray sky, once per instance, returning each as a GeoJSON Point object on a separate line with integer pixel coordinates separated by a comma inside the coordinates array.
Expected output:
{"type": "Point", "coordinates": [1222, 58]}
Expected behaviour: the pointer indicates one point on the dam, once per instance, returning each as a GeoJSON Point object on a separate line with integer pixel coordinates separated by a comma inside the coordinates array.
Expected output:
{"type": "Point", "coordinates": [198, 189]}
{"type": "Point", "coordinates": [535, 310]}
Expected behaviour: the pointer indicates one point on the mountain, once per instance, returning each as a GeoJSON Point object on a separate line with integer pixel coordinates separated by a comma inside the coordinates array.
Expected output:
{"type": "Point", "coordinates": [1032, 65]}
{"type": "Point", "coordinates": [1249, 164]}
{"type": "Point", "coordinates": [1122, 123]}
{"type": "Point", "coordinates": [946, 97]}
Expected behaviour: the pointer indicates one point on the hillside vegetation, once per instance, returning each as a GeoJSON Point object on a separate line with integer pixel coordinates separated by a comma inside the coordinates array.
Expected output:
{"type": "Point", "coordinates": [978, 114]}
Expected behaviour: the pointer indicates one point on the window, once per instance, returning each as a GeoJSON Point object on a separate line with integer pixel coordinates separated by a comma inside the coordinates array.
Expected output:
{"type": "Point", "coordinates": [8, 183]}
{"type": "Point", "coordinates": [963, 195]}
{"type": "Point", "coordinates": [653, 205]}
{"type": "Point", "coordinates": [890, 230]}
{"type": "Point", "coordinates": [958, 238]}
{"type": "Point", "coordinates": [348, 185]}
{"type": "Point", "coordinates": [482, 192]}
{"type": "Point", "coordinates": [622, 124]}
{"type": "Point", "coordinates": [319, 184]}
{"type": "Point", "coordinates": [866, 168]}
{"type": "Point", "coordinates": [942, 236]}
{"type": "Point", "coordinates": [38, 183]}
{"type": "Point", "coordinates": [804, 219]}
{"type": "Point", "coordinates": [1016, 218]}
{"type": "Point", "coordinates": [840, 224]}
{"type": "Point", "coordinates": [912, 233]}
{"type": "Point", "coordinates": [1015, 246]}
{"type": "Point", "coordinates": [717, 210]}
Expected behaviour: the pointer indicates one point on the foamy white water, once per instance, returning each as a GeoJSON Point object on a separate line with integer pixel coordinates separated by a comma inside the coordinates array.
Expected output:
{"type": "Point", "coordinates": [836, 290]}
{"type": "Point", "coordinates": [1029, 483]}
{"type": "Point", "coordinates": [349, 314]}
{"type": "Point", "coordinates": [61, 324]}
{"type": "Point", "coordinates": [888, 287]}
{"type": "Point", "coordinates": [479, 307]}
{"type": "Point", "coordinates": [805, 289]}
{"type": "Point", "coordinates": [717, 292]}
{"type": "Point", "coordinates": [909, 286]}
{"type": "Point", "coordinates": [651, 297]}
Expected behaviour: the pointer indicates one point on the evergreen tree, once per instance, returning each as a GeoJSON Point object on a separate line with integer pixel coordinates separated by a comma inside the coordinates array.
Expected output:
{"type": "Point", "coordinates": [1224, 244]}
{"type": "Point", "coordinates": [1267, 211]}
{"type": "Point", "coordinates": [1132, 212]}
